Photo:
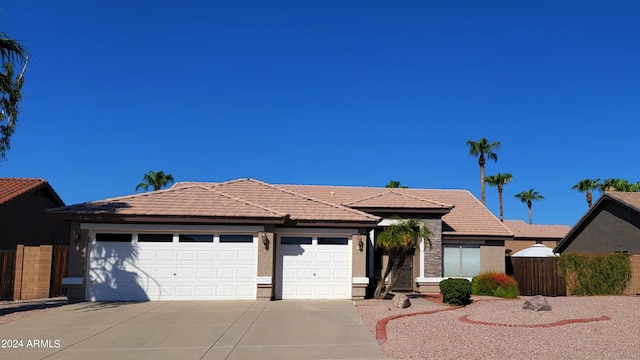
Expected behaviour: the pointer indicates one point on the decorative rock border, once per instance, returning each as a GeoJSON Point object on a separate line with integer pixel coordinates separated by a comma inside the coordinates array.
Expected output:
{"type": "Point", "coordinates": [381, 325]}
{"type": "Point", "coordinates": [465, 319]}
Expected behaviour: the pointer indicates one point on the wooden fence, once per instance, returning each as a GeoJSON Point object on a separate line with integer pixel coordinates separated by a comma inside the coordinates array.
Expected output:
{"type": "Point", "coordinates": [7, 273]}
{"type": "Point", "coordinates": [59, 269]}
{"type": "Point", "coordinates": [537, 276]}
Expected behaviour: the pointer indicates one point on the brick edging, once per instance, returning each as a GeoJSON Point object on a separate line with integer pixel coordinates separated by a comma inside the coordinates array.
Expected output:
{"type": "Point", "coordinates": [465, 319]}
{"type": "Point", "coordinates": [381, 325]}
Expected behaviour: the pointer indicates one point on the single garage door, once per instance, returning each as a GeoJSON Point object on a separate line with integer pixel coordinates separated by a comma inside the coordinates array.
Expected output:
{"type": "Point", "coordinates": [172, 267]}
{"type": "Point", "coordinates": [314, 267]}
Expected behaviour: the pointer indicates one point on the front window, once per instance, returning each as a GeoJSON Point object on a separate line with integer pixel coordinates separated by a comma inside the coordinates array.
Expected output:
{"type": "Point", "coordinates": [461, 260]}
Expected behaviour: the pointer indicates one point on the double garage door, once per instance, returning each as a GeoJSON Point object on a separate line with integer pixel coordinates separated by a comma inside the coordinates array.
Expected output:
{"type": "Point", "coordinates": [125, 267]}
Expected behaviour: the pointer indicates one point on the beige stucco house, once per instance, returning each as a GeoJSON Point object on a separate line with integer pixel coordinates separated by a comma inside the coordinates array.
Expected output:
{"type": "Point", "coordinates": [247, 239]}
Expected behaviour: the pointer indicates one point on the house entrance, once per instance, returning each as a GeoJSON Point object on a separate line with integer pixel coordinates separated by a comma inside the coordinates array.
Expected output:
{"type": "Point", "coordinates": [405, 278]}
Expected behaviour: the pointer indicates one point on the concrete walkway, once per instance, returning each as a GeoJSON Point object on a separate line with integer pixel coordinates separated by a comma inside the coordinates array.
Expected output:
{"type": "Point", "coordinates": [193, 330]}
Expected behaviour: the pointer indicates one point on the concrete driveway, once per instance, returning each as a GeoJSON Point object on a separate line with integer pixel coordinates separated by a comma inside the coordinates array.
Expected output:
{"type": "Point", "coordinates": [193, 330]}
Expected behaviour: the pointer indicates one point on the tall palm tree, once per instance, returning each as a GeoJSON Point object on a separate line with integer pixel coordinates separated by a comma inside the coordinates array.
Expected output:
{"type": "Point", "coordinates": [482, 148]}
{"type": "Point", "coordinates": [527, 197]}
{"type": "Point", "coordinates": [587, 185]}
{"type": "Point", "coordinates": [398, 241]}
{"type": "Point", "coordinates": [395, 184]}
{"type": "Point", "coordinates": [157, 180]}
{"type": "Point", "coordinates": [11, 54]}
{"type": "Point", "coordinates": [499, 180]}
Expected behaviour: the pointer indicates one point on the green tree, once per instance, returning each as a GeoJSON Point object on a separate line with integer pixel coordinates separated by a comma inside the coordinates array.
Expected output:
{"type": "Point", "coordinates": [398, 241]}
{"type": "Point", "coordinates": [12, 54]}
{"type": "Point", "coordinates": [499, 180]}
{"type": "Point", "coordinates": [156, 180]}
{"type": "Point", "coordinates": [527, 197]}
{"type": "Point", "coordinates": [395, 184]}
{"type": "Point", "coordinates": [483, 149]}
{"type": "Point", "coordinates": [616, 184]}
{"type": "Point", "coordinates": [586, 185]}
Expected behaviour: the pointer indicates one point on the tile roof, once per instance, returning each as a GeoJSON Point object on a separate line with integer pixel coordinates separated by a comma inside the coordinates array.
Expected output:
{"type": "Point", "coordinates": [192, 200]}
{"type": "Point", "coordinates": [391, 199]}
{"type": "Point", "coordinates": [243, 198]}
{"type": "Point", "coordinates": [468, 217]}
{"type": "Point", "coordinates": [253, 199]}
{"type": "Point", "coordinates": [521, 229]}
{"type": "Point", "coordinates": [11, 188]}
{"type": "Point", "coordinates": [631, 199]}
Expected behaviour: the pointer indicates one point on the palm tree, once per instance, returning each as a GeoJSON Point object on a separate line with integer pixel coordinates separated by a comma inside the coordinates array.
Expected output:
{"type": "Point", "coordinates": [499, 180]}
{"type": "Point", "coordinates": [395, 184]}
{"type": "Point", "coordinates": [157, 180]}
{"type": "Point", "coordinates": [11, 53]}
{"type": "Point", "coordinates": [398, 241]}
{"type": "Point", "coordinates": [481, 148]}
{"type": "Point", "coordinates": [618, 185]}
{"type": "Point", "coordinates": [587, 185]}
{"type": "Point", "coordinates": [527, 197]}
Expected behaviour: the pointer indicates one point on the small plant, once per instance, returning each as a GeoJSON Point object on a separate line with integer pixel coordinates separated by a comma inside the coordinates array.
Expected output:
{"type": "Point", "coordinates": [495, 284]}
{"type": "Point", "coordinates": [456, 291]}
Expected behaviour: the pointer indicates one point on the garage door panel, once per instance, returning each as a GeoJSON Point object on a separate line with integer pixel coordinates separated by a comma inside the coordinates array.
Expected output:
{"type": "Point", "coordinates": [208, 274]}
{"type": "Point", "coordinates": [247, 273]}
{"type": "Point", "coordinates": [164, 255]}
{"type": "Point", "coordinates": [226, 255]}
{"type": "Point", "coordinates": [186, 255]}
{"type": "Point", "coordinates": [206, 255]}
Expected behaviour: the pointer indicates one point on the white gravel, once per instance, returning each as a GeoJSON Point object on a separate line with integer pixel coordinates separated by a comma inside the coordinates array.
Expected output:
{"type": "Point", "coordinates": [442, 335]}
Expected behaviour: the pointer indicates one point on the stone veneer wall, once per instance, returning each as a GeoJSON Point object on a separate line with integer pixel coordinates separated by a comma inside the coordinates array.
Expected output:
{"type": "Point", "coordinates": [433, 255]}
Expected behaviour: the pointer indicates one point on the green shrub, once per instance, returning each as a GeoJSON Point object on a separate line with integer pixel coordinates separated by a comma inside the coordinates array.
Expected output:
{"type": "Point", "coordinates": [495, 284]}
{"type": "Point", "coordinates": [507, 293]}
{"type": "Point", "coordinates": [456, 291]}
{"type": "Point", "coordinates": [589, 275]}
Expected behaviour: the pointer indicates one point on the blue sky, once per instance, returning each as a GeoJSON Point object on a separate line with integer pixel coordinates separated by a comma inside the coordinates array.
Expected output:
{"type": "Point", "coordinates": [329, 92]}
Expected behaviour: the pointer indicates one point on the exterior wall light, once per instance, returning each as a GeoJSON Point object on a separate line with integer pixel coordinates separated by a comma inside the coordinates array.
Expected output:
{"type": "Point", "coordinates": [360, 244]}
{"type": "Point", "coordinates": [265, 240]}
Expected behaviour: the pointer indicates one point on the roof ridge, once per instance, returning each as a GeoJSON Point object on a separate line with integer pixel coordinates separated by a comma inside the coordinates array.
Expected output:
{"type": "Point", "coordinates": [372, 187]}
{"type": "Point", "coordinates": [336, 206]}
{"type": "Point", "coordinates": [247, 202]}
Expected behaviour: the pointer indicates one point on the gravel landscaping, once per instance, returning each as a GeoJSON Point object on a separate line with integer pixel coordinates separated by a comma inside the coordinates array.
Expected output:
{"type": "Point", "coordinates": [443, 334]}
{"type": "Point", "coordinates": [11, 311]}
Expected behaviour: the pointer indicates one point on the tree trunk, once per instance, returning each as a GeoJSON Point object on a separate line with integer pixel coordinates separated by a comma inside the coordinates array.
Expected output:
{"type": "Point", "coordinates": [500, 197]}
{"type": "Point", "coordinates": [392, 271]}
{"type": "Point", "coordinates": [481, 162]}
{"type": "Point", "coordinates": [530, 217]}
{"type": "Point", "coordinates": [589, 198]}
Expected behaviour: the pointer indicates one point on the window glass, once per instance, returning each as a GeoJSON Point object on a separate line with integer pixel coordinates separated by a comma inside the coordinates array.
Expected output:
{"type": "Point", "coordinates": [155, 237]}
{"type": "Point", "coordinates": [295, 240]}
{"type": "Point", "coordinates": [196, 238]}
{"type": "Point", "coordinates": [333, 241]}
{"type": "Point", "coordinates": [113, 237]}
{"type": "Point", "coordinates": [461, 260]}
{"type": "Point", "coordinates": [236, 238]}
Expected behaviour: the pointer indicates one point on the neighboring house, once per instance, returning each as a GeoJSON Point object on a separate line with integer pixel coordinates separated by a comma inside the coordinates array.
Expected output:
{"type": "Point", "coordinates": [611, 225]}
{"type": "Point", "coordinates": [23, 216]}
{"type": "Point", "coordinates": [246, 239]}
{"type": "Point", "coordinates": [525, 235]}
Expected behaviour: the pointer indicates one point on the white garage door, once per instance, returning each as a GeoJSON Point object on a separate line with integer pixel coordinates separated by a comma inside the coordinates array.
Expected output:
{"type": "Point", "coordinates": [314, 267]}
{"type": "Point", "coordinates": [172, 267]}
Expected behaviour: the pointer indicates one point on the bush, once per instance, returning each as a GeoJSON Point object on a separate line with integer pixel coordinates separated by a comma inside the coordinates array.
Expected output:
{"type": "Point", "coordinates": [456, 291]}
{"type": "Point", "coordinates": [495, 284]}
{"type": "Point", "coordinates": [595, 274]}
